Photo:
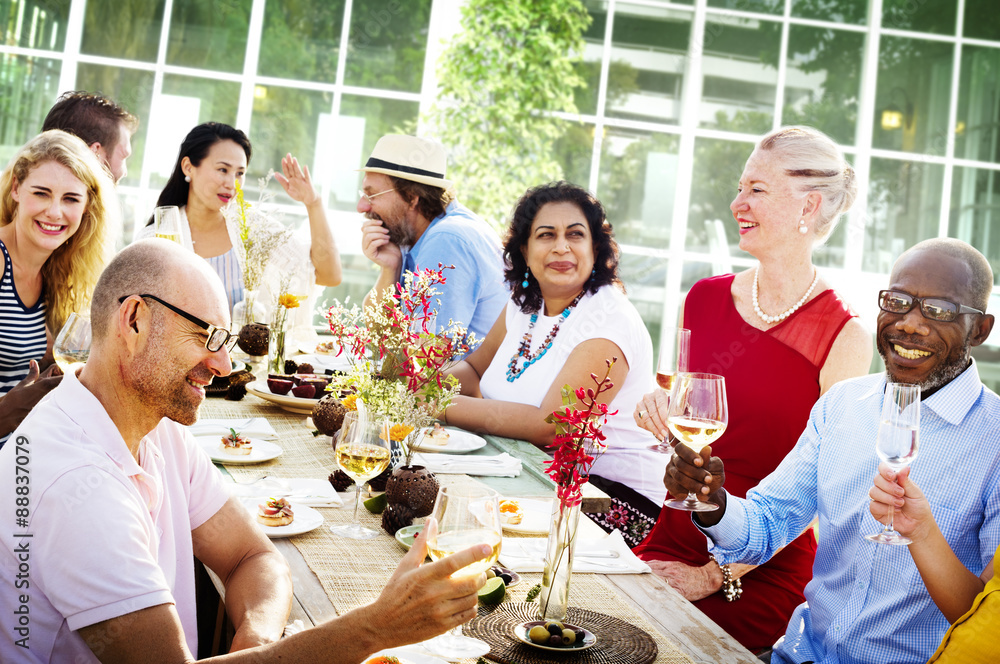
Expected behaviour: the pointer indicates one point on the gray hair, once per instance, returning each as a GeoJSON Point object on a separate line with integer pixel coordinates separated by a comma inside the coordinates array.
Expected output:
{"type": "Point", "coordinates": [815, 163]}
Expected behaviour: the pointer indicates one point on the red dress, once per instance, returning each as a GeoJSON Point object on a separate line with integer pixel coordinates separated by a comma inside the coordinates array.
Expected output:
{"type": "Point", "coordinates": [772, 382]}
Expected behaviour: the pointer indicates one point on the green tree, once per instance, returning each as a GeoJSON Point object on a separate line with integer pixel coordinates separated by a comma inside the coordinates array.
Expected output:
{"type": "Point", "coordinates": [501, 77]}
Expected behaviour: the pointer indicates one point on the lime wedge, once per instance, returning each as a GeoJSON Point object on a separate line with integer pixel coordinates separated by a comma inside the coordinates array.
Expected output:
{"type": "Point", "coordinates": [376, 504]}
{"type": "Point", "coordinates": [493, 592]}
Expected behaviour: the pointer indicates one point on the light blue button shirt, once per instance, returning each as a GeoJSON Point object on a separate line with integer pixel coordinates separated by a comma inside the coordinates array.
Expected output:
{"type": "Point", "coordinates": [866, 602]}
{"type": "Point", "coordinates": [474, 293]}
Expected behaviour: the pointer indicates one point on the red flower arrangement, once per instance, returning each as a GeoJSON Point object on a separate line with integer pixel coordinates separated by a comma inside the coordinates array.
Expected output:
{"type": "Point", "coordinates": [579, 440]}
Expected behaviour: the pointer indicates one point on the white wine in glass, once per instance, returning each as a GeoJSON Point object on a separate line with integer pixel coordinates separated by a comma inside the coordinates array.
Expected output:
{"type": "Point", "coordinates": [674, 358]}
{"type": "Point", "coordinates": [72, 345]}
{"type": "Point", "coordinates": [362, 451]}
{"type": "Point", "coordinates": [897, 442]}
{"type": "Point", "coordinates": [698, 416]}
{"type": "Point", "coordinates": [466, 516]}
{"type": "Point", "coordinates": [167, 222]}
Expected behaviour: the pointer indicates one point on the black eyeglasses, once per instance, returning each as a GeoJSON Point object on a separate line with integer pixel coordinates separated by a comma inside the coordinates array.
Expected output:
{"type": "Point", "coordinates": [217, 336]}
{"type": "Point", "coordinates": [932, 308]}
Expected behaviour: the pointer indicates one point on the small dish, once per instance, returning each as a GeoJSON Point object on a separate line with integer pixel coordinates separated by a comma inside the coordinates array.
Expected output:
{"type": "Point", "coordinates": [405, 536]}
{"type": "Point", "coordinates": [262, 451]}
{"type": "Point", "coordinates": [521, 634]}
{"type": "Point", "coordinates": [515, 578]}
{"type": "Point", "coordinates": [459, 442]}
{"type": "Point", "coordinates": [306, 519]}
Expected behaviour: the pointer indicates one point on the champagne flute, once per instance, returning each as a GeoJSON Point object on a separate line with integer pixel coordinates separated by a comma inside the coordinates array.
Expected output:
{"type": "Point", "coordinates": [466, 516]}
{"type": "Point", "coordinates": [167, 219]}
{"type": "Point", "coordinates": [72, 345]}
{"type": "Point", "coordinates": [675, 354]}
{"type": "Point", "coordinates": [362, 451]}
{"type": "Point", "coordinates": [698, 416]}
{"type": "Point", "coordinates": [896, 444]}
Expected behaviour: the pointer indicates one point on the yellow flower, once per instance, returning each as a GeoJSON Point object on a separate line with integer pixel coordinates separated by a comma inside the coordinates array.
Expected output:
{"type": "Point", "coordinates": [289, 301]}
{"type": "Point", "coordinates": [349, 402]}
{"type": "Point", "coordinates": [399, 432]}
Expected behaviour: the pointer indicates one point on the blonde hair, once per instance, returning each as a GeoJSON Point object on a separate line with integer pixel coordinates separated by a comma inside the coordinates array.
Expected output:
{"type": "Point", "coordinates": [71, 272]}
{"type": "Point", "coordinates": [814, 163]}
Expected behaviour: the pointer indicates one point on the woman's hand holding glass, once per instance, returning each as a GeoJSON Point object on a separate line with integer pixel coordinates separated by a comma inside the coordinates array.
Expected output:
{"type": "Point", "coordinates": [897, 499]}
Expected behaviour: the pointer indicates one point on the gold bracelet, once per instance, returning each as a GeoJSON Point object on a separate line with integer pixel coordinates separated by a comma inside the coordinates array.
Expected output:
{"type": "Point", "coordinates": [732, 589]}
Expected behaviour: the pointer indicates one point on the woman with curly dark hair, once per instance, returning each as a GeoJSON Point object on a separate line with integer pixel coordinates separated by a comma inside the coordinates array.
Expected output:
{"type": "Point", "coordinates": [568, 314]}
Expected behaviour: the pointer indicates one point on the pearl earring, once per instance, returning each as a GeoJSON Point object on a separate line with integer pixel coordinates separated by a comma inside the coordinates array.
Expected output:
{"type": "Point", "coordinates": [187, 178]}
{"type": "Point", "coordinates": [802, 226]}
{"type": "Point", "coordinates": [525, 284]}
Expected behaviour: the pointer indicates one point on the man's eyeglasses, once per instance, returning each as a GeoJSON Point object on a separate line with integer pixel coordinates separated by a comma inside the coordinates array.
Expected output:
{"type": "Point", "coordinates": [932, 308]}
{"type": "Point", "coordinates": [362, 194]}
{"type": "Point", "coordinates": [217, 336]}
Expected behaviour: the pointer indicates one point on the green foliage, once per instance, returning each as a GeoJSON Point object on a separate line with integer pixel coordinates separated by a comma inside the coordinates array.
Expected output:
{"type": "Point", "coordinates": [501, 77]}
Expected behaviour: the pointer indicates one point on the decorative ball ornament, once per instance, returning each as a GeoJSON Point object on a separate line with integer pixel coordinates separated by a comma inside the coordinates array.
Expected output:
{"type": "Point", "coordinates": [788, 312]}
{"type": "Point", "coordinates": [802, 226]}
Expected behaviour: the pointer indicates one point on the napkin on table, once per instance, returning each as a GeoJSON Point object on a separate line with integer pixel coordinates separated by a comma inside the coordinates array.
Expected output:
{"type": "Point", "coordinates": [500, 465]}
{"type": "Point", "coordinates": [314, 493]}
{"type": "Point", "coordinates": [256, 427]}
{"type": "Point", "coordinates": [596, 556]}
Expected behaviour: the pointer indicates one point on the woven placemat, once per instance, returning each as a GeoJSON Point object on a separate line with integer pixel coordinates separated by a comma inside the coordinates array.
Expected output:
{"type": "Point", "coordinates": [618, 642]}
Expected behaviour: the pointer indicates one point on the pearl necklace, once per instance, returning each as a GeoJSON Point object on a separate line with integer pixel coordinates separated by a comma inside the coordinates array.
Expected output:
{"type": "Point", "coordinates": [524, 349]}
{"type": "Point", "coordinates": [788, 312]}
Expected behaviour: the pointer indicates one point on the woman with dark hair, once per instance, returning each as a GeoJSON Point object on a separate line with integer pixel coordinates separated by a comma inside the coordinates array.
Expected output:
{"type": "Point", "coordinates": [568, 314]}
{"type": "Point", "coordinates": [212, 158]}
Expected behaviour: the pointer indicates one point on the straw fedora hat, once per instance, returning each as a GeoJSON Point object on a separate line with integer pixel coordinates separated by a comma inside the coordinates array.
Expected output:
{"type": "Point", "coordinates": [410, 158]}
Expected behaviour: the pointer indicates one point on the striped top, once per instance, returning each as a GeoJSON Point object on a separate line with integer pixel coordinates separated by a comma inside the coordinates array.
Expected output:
{"type": "Point", "coordinates": [228, 268]}
{"type": "Point", "coordinates": [22, 329]}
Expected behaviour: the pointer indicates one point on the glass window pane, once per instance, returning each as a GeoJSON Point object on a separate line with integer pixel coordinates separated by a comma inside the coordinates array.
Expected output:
{"type": "Point", "coordinates": [911, 102]}
{"type": "Point", "coordinates": [740, 74]}
{"type": "Point", "coordinates": [288, 120]}
{"type": "Point", "coordinates": [209, 34]}
{"type": "Point", "coordinates": [362, 121]}
{"type": "Point", "coordinates": [645, 280]}
{"type": "Point", "coordinates": [978, 131]}
{"type": "Point", "coordinates": [638, 172]}
{"type": "Point", "coordinates": [301, 40]}
{"type": "Point", "coordinates": [936, 16]}
{"type": "Point", "coordinates": [904, 206]}
{"type": "Point", "coordinates": [34, 23]}
{"type": "Point", "coordinates": [711, 227]}
{"type": "Point", "coordinates": [648, 56]}
{"type": "Point", "coordinates": [981, 20]}
{"type": "Point", "coordinates": [839, 11]}
{"type": "Point", "coordinates": [119, 29]}
{"type": "Point", "coordinates": [573, 151]}
{"type": "Point", "coordinates": [131, 89]}
{"type": "Point", "coordinates": [765, 6]}
{"type": "Point", "coordinates": [975, 211]}
{"type": "Point", "coordinates": [589, 69]}
{"type": "Point", "coordinates": [28, 88]}
{"type": "Point", "coordinates": [387, 44]}
{"type": "Point", "coordinates": [823, 80]}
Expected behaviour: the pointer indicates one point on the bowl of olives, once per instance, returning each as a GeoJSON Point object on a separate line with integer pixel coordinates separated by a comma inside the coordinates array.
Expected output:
{"type": "Point", "coordinates": [554, 635]}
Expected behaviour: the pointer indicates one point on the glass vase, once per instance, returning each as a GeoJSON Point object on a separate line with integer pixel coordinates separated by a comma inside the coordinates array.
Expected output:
{"type": "Point", "coordinates": [276, 347]}
{"type": "Point", "coordinates": [553, 600]}
{"type": "Point", "coordinates": [247, 310]}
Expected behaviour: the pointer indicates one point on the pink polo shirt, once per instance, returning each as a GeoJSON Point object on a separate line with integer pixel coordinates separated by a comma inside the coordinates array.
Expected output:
{"type": "Point", "coordinates": [108, 536]}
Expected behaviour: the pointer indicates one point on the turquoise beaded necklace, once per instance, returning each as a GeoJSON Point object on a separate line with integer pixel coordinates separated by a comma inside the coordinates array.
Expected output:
{"type": "Point", "coordinates": [524, 350]}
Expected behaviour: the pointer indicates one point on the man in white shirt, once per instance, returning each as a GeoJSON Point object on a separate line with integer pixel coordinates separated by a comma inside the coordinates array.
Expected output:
{"type": "Point", "coordinates": [116, 499]}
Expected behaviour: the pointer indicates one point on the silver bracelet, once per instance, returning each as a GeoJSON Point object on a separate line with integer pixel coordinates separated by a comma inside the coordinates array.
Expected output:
{"type": "Point", "coordinates": [732, 589]}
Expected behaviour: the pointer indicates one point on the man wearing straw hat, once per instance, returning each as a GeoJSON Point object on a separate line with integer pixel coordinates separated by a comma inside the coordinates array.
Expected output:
{"type": "Point", "coordinates": [413, 221]}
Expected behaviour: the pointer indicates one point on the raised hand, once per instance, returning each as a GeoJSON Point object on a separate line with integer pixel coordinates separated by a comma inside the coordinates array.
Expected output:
{"type": "Point", "coordinates": [651, 413]}
{"type": "Point", "coordinates": [18, 402]}
{"type": "Point", "coordinates": [296, 181]}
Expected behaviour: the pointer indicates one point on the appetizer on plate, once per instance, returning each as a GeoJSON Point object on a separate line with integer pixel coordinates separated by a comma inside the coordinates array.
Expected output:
{"type": "Point", "coordinates": [511, 512]}
{"type": "Point", "coordinates": [275, 512]}
{"type": "Point", "coordinates": [327, 348]}
{"type": "Point", "coordinates": [235, 444]}
{"type": "Point", "coordinates": [436, 436]}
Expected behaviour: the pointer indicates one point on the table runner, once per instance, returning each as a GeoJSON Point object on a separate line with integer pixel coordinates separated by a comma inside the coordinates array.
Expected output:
{"type": "Point", "coordinates": [354, 572]}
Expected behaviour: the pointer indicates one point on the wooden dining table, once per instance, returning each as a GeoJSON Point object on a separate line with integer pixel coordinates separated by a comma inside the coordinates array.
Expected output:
{"type": "Point", "coordinates": [333, 575]}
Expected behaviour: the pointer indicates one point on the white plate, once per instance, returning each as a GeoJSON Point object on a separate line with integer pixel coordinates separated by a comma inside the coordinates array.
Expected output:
{"type": "Point", "coordinates": [263, 450]}
{"type": "Point", "coordinates": [414, 654]}
{"type": "Point", "coordinates": [537, 517]}
{"type": "Point", "coordinates": [306, 519]}
{"type": "Point", "coordinates": [459, 442]}
{"type": "Point", "coordinates": [323, 362]}
{"type": "Point", "coordinates": [287, 402]}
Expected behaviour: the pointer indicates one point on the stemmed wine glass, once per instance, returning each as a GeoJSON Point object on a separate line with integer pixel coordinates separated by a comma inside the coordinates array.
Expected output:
{"type": "Point", "coordinates": [362, 451]}
{"type": "Point", "coordinates": [466, 516]}
{"type": "Point", "coordinates": [72, 345]}
{"type": "Point", "coordinates": [674, 357]}
{"type": "Point", "coordinates": [896, 445]}
{"type": "Point", "coordinates": [167, 220]}
{"type": "Point", "coordinates": [698, 416]}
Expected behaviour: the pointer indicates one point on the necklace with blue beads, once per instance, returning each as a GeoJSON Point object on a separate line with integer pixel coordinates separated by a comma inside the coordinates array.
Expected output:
{"type": "Point", "coordinates": [524, 350]}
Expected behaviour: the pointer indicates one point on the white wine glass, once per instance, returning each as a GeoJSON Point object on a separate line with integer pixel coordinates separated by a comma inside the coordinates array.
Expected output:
{"type": "Point", "coordinates": [361, 451]}
{"type": "Point", "coordinates": [466, 516]}
{"type": "Point", "coordinates": [698, 416]}
{"type": "Point", "coordinates": [167, 220]}
{"type": "Point", "coordinates": [675, 356]}
{"type": "Point", "coordinates": [897, 442]}
{"type": "Point", "coordinates": [72, 345]}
